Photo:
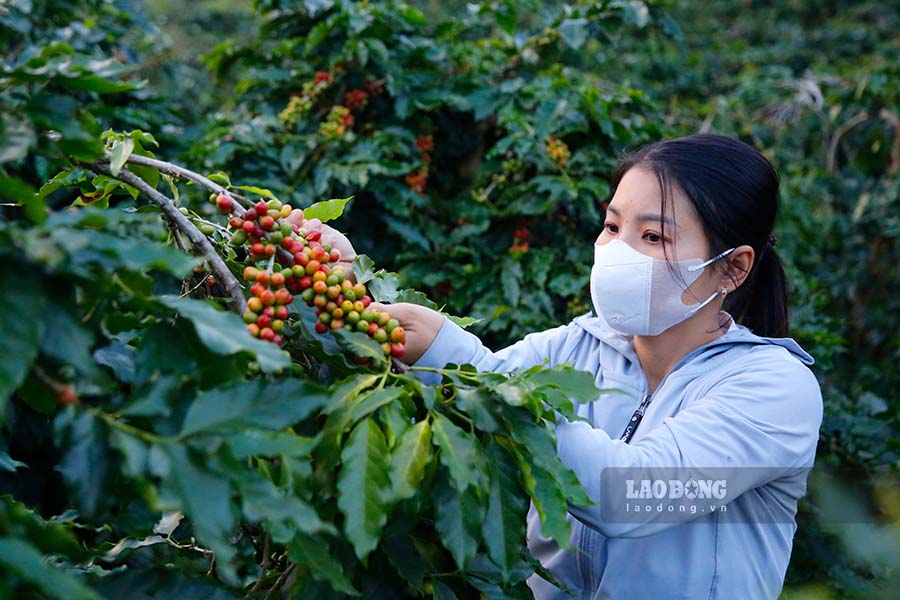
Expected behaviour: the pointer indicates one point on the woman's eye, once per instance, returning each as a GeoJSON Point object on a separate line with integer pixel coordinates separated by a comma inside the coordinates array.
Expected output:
{"type": "Point", "coordinates": [652, 237]}
{"type": "Point", "coordinates": [612, 228]}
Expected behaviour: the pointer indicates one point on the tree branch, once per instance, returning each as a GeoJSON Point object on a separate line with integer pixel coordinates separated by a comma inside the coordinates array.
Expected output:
{"type": "Point", "coordinates": [200, 241]}
{"type": "Point", "coordinates": [177, 171]}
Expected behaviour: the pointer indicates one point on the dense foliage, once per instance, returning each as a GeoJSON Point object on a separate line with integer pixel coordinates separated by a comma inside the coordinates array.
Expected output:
{"type": "Point", "coordinates": [150, 445]}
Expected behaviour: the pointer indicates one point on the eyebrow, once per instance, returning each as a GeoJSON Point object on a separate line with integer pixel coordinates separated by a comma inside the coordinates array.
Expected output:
{"type": "Point", "coordinates": [646, 217]}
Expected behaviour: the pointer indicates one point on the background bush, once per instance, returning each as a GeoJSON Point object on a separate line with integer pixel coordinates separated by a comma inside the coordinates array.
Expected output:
{"type": "Point", "coordinates": [477, 157]}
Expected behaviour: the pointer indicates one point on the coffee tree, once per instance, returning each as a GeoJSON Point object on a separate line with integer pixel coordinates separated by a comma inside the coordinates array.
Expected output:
{"type": "Point", "coordinates": [198, 452]}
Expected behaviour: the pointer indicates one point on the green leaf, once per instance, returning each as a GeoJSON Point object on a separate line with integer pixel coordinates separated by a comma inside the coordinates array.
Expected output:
{"type": "Point", "coordinates": [225, 333]}
{"type": "Point", "coordinates": [85, 464]}
{"type": "Point", "coordinates": [359, 344]}
{"type": "Point", "coordinates": [220, 177]}
{"type": "Point", "coordinates": [371, 401]}
{"type": "Point", "coordinates": [460, 452]}
{"type": "Point", "coordinates": [409, 460]}
{"type": "Point", "coordinates": [206, 500]}
{"type": "Point", "coordinates": [22, 328]}
{"type": "Point", "coordinates": [251, 442]}
{"type": "Point", "coordinates": [23, 560]}
{"type": "Point", "coordinates": [503, 529]}
{"type": "Point", "coordinates": [262, 404]}
{"type": "Point", "coordinates": [313, 553]}
{"type": "Point", "coordinates": [364, 486]}
{"type": "Point", "coordinates": [284, 514]}
{"type": "Point", "coordinates": [119, 154]}
{"type": "Point", "coordinates": [574, 32]}
{"type": "Point", "coordinates": [549, 501]}
{"type": "Point", "coordinates": [541, 444]}
{"type": "Point", "coordinates": [458, 516]}
{"type": "Point", "coordinates": [362, 268]}
{"type": "Point", "coordinates": [463, 321]}
{"type": "Point", "coordinates": [327, 210]}
{"type": "Point", "coordinates": [257, 190]}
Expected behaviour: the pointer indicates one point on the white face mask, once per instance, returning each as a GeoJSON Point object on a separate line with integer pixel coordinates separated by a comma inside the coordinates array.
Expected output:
{"type": "Point", "coordinates": [637, 294]}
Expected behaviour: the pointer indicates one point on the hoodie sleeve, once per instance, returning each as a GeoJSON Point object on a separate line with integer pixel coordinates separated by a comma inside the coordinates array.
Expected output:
{"type": "Point", "coordinates": [453, 344]}
{"type": "Point", "coordinates": [758, 424]}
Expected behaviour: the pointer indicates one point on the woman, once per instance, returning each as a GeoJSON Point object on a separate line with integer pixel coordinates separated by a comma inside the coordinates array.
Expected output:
{"type": "Point", "coordinates": [690, 325]}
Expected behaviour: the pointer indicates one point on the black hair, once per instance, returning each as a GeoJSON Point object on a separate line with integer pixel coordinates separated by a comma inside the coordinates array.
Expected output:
{"type": "Point", "coordinates": [734, 191]}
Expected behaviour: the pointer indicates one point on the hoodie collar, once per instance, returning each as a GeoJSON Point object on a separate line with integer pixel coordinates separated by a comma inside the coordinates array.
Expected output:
{"type": "Point", "coordinates": [736, 334]}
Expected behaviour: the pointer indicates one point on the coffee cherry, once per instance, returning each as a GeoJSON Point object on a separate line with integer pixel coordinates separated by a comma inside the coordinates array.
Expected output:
{"type": "Point", "coordinates": [248, 227]}
{"type": "Point", "coordinates": [236, 222]}
{"type": "Point", "coordinates": [253, 328]}
{"type": "Point", "coordinates": [224, 204]}
{"type": "Point", "coordinates": [250, 317]}
{"type": "Point", "coordinates": [397, 350]}
{"type": "Point", "coordinates": [267, 222]}
{"type": "Point", "coordinates": [261, 208]}
{"type": "Point", "coordinates": [255, 305]}
{"type": "Point", "coordinates": [264, 321]}
{"type": "Point", "coordinates": [250, 273]}
{"type": "Point", "coordinates": [267, 334]}
{"type": "Point", "coordinates": [267, 297]}
{"type": "Point", "coordinates": [380, 336]}
{"type": "Point", "coordinates": [277, 325]}
{"type": "Point", "coordinates": [281, 312]}
{"type": "Point", "coordinates": [320, 287]}
{"type": "Point", "coordinates": [392, 324]}
{"type": "Point", "coordinates": [398, 335]}
{"type": "Point", "coordinates": [66, 395]}
{"type": "Point", "coordinates": [321, 327]}
{"type": "Point", "coordinates": [238, 238]}
{"type": "Point", "coordinates": [277, 280]}
{"type": "Point", "coordinates": [262, 277]}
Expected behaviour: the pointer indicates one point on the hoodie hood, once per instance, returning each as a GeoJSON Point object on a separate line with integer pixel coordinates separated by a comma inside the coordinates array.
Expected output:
{"type": "Point", "coordinates": [736, 334]}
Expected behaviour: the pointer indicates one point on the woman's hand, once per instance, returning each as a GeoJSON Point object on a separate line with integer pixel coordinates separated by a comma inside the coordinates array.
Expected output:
{"type": "Point", "coordinates": [330, 236]}
{"type": "Point", "coordinates": [421, 324]}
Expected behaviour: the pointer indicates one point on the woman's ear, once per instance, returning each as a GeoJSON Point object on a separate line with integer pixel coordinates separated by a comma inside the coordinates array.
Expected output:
{"type": "Point", "coordinates": [737, 266]}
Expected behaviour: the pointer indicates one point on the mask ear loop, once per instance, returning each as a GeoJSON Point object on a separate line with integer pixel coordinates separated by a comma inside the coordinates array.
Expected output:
{"type": "Point", "coordinates": [723, 291]}
{"type": "Point", "coordinates": [712, 260]}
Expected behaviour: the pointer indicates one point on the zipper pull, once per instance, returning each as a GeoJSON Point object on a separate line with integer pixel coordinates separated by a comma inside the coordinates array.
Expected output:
{"type": "Point", "coordinates": [635, 419]}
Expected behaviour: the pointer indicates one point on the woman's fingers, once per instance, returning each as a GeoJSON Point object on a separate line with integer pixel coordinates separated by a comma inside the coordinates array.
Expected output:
{"type": "Point", "coordinates": [330, 235]}
{"type": "Point", "coordinates": [421, 323]}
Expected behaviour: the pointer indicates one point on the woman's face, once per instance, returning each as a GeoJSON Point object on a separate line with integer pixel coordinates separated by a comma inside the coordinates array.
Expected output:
{"type": "Point", "coordinates": [633, 216]}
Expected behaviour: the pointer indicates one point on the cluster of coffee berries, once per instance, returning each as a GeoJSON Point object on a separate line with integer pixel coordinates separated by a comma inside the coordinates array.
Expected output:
{"type": "Point", "coordinates": [342, 304]}
{"type": "Point", "coordinates": [302, 101]}
{"type": "Point", "coordinates": [267, 308]}
{"type": "Point", "coordinates": [418, 179]}
{"type": "Point", "coordinates": [303, 267]}
{"type": "Point", "coordinates": [521, 237]}
{"type": "Point", "coordinates": [336, 124]}
{"type": "Point", "coordinates": [356, 100]}
{"type": "Point", "coordinates": [558, 151]}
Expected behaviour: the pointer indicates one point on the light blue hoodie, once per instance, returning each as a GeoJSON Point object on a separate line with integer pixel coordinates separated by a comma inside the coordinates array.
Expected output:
{"type": "Point", "coordinates": [741, 401]}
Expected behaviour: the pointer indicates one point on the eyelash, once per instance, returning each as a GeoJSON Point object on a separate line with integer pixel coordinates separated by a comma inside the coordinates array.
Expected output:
{"type": "Point", "coordinates": [609, 227]}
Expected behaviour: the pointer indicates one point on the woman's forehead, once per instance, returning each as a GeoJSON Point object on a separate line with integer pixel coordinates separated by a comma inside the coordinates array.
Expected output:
{"type": "Point", "coordinates": [638, 197]}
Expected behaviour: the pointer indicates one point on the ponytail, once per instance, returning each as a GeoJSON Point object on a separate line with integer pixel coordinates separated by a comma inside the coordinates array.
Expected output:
{"type": "Point", "coordinates": [761, 303]}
